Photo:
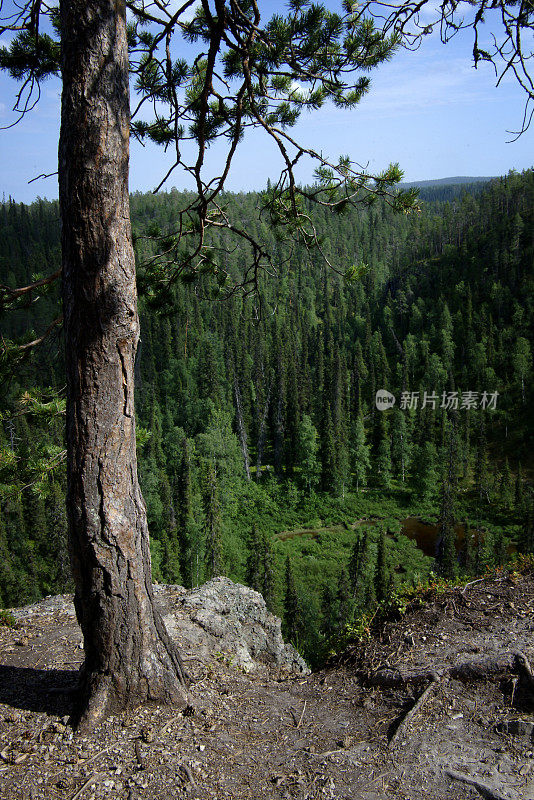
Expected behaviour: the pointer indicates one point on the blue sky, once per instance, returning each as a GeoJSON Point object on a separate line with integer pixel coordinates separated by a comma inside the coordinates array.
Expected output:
{"type": "Point", "coordinates": [430, 110]}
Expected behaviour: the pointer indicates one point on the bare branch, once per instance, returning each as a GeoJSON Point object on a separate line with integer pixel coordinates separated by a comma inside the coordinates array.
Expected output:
{"type": "Point", "coordinates": [8, 295]}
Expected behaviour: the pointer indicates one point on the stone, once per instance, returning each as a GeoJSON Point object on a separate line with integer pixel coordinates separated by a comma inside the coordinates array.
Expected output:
{"type": "Point", "coordinates": [223, 616]}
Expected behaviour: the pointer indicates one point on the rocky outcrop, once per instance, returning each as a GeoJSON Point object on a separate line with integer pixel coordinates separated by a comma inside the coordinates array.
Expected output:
{"type": "Point", "coordinates": [230, 621]}
{"type": "Point", "coordinates": [220, 619]}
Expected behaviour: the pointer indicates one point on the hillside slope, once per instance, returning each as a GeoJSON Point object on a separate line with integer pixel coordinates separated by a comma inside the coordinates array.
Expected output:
{"type": "Point", "coordinates": [328, 735]}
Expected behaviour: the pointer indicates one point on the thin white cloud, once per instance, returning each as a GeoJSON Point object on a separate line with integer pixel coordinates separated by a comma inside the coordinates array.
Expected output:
{"type": "Point", "coordinates": [410, 85]}
{"type": "Point", "coordinates": [443, 84]}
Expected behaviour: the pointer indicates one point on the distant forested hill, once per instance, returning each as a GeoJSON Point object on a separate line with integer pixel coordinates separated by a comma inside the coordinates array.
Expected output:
{"type": "Point", "coordinates": [257, 417]}
{"type": "Point", "coordinates": [459, 180]}
{"type": "Point", "coordinates": [448, 189]}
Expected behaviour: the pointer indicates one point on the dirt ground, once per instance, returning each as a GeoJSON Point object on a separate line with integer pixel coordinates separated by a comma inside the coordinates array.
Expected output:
{"type": "Point", "coordinates": [333, 734]}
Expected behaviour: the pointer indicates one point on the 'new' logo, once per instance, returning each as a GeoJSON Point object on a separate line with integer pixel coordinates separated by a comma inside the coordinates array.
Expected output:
{"type": "Point", "coordinates": [384, 400]}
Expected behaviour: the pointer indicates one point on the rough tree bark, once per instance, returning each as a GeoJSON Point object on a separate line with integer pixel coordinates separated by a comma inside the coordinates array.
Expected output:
{"type": "Point", "coordinates": [129, 658]}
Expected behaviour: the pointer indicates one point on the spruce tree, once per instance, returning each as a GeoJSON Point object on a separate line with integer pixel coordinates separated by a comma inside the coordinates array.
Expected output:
{"type": "Point", "coordinates": [382, 573]}
{"type": "Point", "coordinates": [362, 571]}
{"type": "Point", "coordinates": [481, 472]}
{"type": "Point", "coordinates": [307, 453]}
{"type": "Point", "coordinates": [487, 550]}
{"type": "Point", "coordinates": [424, 477]}
{"type": "Point", "coordinates": [293, 412]}
{"type": "Point", "coordinates": [359, 454]}
{"type": "Point", "coordinates": [57, 535]}
{"type": "Point", "coordinates": [254, 566]}
{"type": "Point", "coordinates": [213, 533]}
{"type": "Point", "coordinates": [268, 586]}
{"type": "Point", "coordinates": [400, 444]}
{"type": "Point", "coordinates": [383, 465]}
{"type": "Point", "coordinates": [170, 564]}
{"type": "Point", "coordinates": [446, 557]}
{"type": "Point", "coordinates": [184, 527]}
{"type": "Point", "coordinates": [328, 612]}
{"type": "Point", "coordinates": [518, 489]}
{"type": "Point", "coordinates": [468, 553]}
{"type": "Point", "coordinates": [9, 591]}
{"type": "Point", "coordinates": [526, 537]}
{"type": "Point", "coordinates": [506, 487]}
{"type": "Point", "coordinates": [292, 614]}
{"type": "Point", "coordinates": [329, 466]}
{"type": "Point", "coordinates": [355, 563]}
{"type": "Point", "coordinates": [343, 604]}
{"type": "Point", "coordinates": [500, 547]}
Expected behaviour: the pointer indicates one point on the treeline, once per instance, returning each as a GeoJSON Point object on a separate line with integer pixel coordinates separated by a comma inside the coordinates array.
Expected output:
{"type": "Point", "coordinates": [257, 415]}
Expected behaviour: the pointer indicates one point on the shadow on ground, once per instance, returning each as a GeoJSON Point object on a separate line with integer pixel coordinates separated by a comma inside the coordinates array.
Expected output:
{"type": "Point", "coordinates": [46, 690]}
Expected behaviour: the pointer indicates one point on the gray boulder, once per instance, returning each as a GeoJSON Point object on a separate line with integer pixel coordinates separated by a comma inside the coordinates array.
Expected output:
{"type": "Point", "coordinates": [231, 621]}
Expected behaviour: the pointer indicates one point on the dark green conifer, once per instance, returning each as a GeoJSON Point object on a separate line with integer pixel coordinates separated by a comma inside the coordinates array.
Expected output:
{"type": "Point", "coordinates": [213, 534]}
{"type": "Point", "coordinates": [291, 605]}
{"type": "Point", "coordinates": [57, 536]}
{"type": "Point", "coordinates": [469, 550]}
{"type": "Point", "coordinates": [329, 471]}
{"type": "Point", "coordinates": [343, 603]}
{"type": "Point", "coordinates": [8, 580]}
{"type": "Point", "coordinates": [254, 567]}
{"type": "Point", "coordinates": [400, 444]}
{"type": "Point", "coordinates": [526, 538]}
{"type": "Point", "coordinates": [383, 464]}
{"type": "Point", "coordinates": [500, 546]}
{"type": "Point", "coordinates": [328, 615]}
{"type": "Point", "coordinates": [268, 586]}
{"type": "Point", "coordinates": [446, 556]}
{"type": "Point", "coordinates": [359, 454]}
{"type": "Point", "coordinates": [506, 486]}
{"type": "Point", "coordinates": [184, 519]}
{"type": "Point", "coordinates": [355, 563]}
{"type": "Point", "coordinates": [424, 477]}
{"type": "Point", "coordinates": [518, 489]}
{"type": "Point", "coordinates": [481, 473]}
{"type": "Point", "coordinates": [382, 573]}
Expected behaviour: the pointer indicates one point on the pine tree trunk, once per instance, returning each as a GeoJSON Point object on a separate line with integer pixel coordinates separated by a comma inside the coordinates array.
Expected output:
{"type": "Point", "coordinates": [129, 658]}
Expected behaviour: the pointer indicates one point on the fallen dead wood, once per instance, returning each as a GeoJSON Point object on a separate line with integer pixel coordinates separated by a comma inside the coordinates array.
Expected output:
{"type": "Point", "coordinates": [405, 722]}
{"type": "Point", "coordinates": [187, 772]}
{"type": "Point", "coordinates": [96, 776]}
{"type": "Point", "coordinates": [488, 792]}
{"type": "Point", "coordinates": [302, 714]}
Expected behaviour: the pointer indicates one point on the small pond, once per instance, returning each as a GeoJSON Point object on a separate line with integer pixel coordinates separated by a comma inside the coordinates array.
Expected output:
{"type": "Point", "coordinates": [424, 534]}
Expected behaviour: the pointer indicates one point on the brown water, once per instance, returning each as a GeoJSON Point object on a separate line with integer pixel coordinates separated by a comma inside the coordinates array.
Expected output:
{"type": "Point", "coordinates": [425, 534]}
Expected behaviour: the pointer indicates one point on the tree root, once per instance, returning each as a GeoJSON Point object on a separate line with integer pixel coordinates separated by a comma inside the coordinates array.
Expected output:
{"type": "Point", "coordinates": [404, 723]}
{"type": "Point", "coordinates": [524, 669]}
{"type": "Point", "coordinates": [488, 792]}
{"type": "Point", "coordinates": [515, 663]}
{"type": "Point", "coordinates": [393, 678]}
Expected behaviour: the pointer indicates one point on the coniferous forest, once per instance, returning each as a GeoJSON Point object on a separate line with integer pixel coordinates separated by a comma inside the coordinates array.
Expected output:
{"type": "Point", "coordinates": [262, 453]}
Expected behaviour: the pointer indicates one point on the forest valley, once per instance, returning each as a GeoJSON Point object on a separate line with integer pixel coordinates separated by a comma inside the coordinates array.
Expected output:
{"type": "Point", "coordinates": [263, 456]}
